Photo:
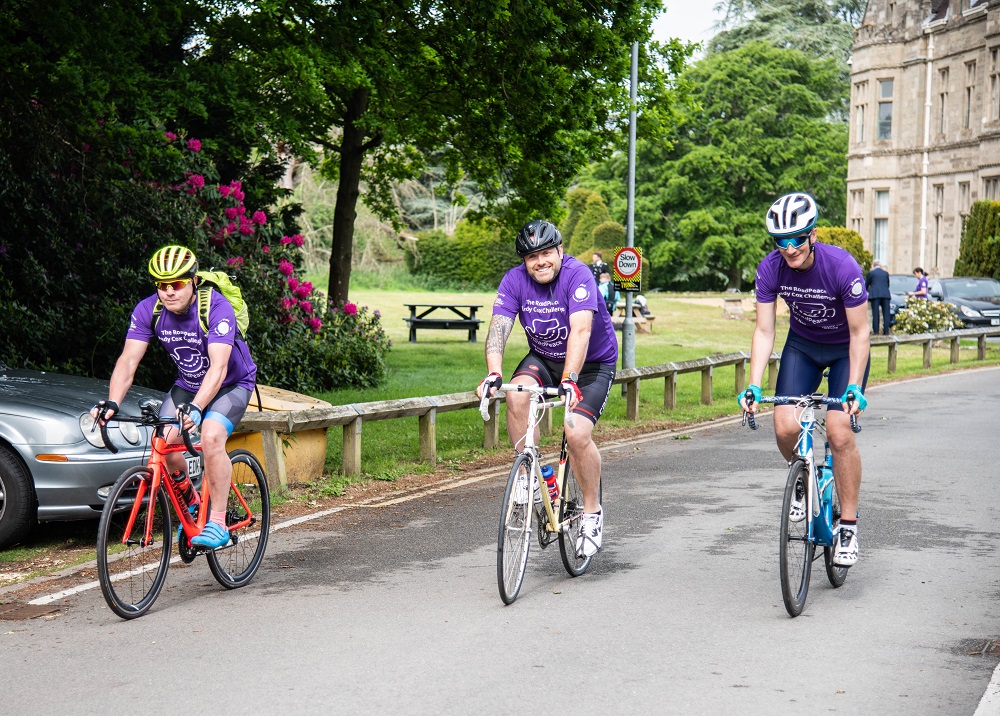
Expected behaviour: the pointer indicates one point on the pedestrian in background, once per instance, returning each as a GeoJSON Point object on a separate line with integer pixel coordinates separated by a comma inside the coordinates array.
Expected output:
{"type": "Point", "coordinates": [597, 266]}
{"type": "Point", "coordinates": [921, 290]}
{"type": "Point", "coordinates": [877, 283]}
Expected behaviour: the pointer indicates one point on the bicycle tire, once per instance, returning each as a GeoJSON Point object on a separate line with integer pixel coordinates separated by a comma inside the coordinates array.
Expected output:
{"type": "Point", "coordinates": [131, 575]}
{"type": "Point", "coordinates": [571, 508]}
{"type": "Point", "coordinates": [514, 533]}
{"type": "Point", "coordinates": [234, 566]}
{"type": "Point", "coordinates": [796, 551]}
{"type": "Point", "coordinates": [835, 573]}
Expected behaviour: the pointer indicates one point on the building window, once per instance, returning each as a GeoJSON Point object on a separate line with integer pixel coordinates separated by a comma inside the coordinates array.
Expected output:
{"type": "Point", "coordinates": [858, 210]}
{"type": "Point", "coordinates": [938, 220]}
{"type": "Point", "coordinates": [880, 243]}
{"type": "Point", "coordinates": [891, 14]}
{"type": "Point", "coordinates": [964, 202]}
{"type": "Point", "coordinates": [885, 110]}
{"type": "Point", "coordinates": [991, 188]}
{"type": "Point", "coordinates": [860, 105]}
{"type": "Point", "coordinates": [970, 91]}
{"type": "Point", "coordinates": [994, 113]}
{"type": "Point", "coordinates": [942, 100]}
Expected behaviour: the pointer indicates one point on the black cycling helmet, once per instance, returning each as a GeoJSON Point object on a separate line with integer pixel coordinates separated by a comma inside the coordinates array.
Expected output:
{"type": "Point", "coordinates": [536, 236]}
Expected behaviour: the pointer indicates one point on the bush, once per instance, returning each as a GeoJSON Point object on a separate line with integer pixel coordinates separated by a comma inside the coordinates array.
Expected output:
{"type": "Point", "coordinates": [84, 223]}
{"type": "Point", "coordinates": [476, 256]}
{"type": "Point", "coordinates": [921, 315]}
{"type": "Point", "coordinates": [608, 236]}
{"type": "Point", "coordinates": [979, 250]}
{"type": "Point", "coordinates": [848, 240]}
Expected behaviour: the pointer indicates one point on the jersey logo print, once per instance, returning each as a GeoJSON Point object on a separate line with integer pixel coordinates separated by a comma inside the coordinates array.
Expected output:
{"type": "Point", "coordinates": [189, 360]}
{"type": "Point", "coordinates": [581, 294]}
{"type": "Point", "coordinates": [856, 287]}
{"type": "Point", "coordinates": [549, 330]}
{"type": "Point", "coordinates": [814, 313]}
{"type": "Point", "coordinates": [223, 327]}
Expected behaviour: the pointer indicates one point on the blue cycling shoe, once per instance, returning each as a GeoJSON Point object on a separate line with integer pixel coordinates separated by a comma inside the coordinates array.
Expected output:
{"type": "Point", "coordinates": [213, 536]}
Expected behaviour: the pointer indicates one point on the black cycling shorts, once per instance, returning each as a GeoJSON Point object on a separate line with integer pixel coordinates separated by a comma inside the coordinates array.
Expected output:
{"type": "Point", "coordinates": [595, 382]}
{"type": "Point", "coordinates": [800, 371]}
{"type": "Point", "coordinates": [228, 406]}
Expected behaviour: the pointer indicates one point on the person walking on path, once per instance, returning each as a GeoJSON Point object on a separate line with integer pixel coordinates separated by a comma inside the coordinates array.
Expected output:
{"type": "Point", "coordinates": [877, 283]}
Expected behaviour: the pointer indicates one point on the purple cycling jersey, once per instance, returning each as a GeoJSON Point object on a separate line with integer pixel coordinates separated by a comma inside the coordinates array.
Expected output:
{"type": "Point", "coordinates": [187, 344]}
{"type": "Point", "coordinates": [545, 309]}
{"type": "Point", "coordinates": [816, 297]}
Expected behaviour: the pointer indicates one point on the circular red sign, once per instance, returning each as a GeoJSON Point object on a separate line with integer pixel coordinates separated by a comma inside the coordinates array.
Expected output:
{"type": "Point", "coordinates": [627, 263]}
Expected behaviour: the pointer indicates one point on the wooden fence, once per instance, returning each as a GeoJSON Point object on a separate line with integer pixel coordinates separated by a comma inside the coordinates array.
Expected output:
{"type": "Point", "coordinates": [273, 424]}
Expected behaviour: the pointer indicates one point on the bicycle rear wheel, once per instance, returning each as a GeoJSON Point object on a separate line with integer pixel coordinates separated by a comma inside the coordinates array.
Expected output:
{"type": "Point", "coordinates": [132, 574]}
{"type": "Point", "coordinates": [796, 550]}
{"type": "Point", "coordinates": [571, 510]}
{"type": "Point", "coordinates": [514, 533]}
{"type": "Point", "coordinates": [835, 573]}
{"type": "Point", "coordinates": [249, 524]}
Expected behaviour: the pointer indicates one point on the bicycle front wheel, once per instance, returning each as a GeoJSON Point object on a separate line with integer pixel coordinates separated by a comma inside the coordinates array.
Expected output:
{"type": "Point", "coordinates": [248, 517]}
{"type": "Point", "coordinates": [130, 568]}
{"type": "Point", "coordinates": [514, 533]}
{"type": "Point", "coordinates": [570, 512]}
{"type": "Point", "coordinates": [835, 573]}
{"type": "Point", "coordinates": [796, 550]}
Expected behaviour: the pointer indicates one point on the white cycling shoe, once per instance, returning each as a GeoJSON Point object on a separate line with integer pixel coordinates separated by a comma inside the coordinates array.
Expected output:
{"type": "Point", "coordinates": [845, 554]}
{"type": "Point", "coordinates": [588, 542]}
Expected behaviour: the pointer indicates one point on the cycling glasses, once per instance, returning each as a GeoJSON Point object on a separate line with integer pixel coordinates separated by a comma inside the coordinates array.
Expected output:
{"type": "Point", "coordinates": [176, 285]}
{"type": "Point", "coordinates": [792, 242]}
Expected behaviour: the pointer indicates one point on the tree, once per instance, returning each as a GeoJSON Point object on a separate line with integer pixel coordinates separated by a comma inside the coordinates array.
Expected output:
{"type": "Point", "coordinates": [515, 96]}
{"type": "Point", "coordinates": [979, 250]}
{"type": "Point", "coordinates": [821, 28]}
{"type": "Point", "coordinates": [761, 127]}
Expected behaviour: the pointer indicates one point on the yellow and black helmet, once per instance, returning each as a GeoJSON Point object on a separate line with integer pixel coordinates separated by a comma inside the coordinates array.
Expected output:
{"type": "Point", "coordinates": [173, 262]}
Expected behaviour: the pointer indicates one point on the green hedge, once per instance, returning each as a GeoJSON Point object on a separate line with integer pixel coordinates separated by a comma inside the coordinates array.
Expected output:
{"type": "Point", "coordinates": [848, 240]}
{"type": "Point", "coordinates": [979, 250]}
{"type": "Point", "coordinates": [477, 255]}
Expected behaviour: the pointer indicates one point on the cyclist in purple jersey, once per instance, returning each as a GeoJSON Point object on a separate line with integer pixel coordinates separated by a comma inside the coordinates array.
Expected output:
{"type": "Point", "coordinates": [571, 343]}
{"type": "Point", "coordinates": [216, 374]}
{"type": "Point", "coordinates": [824, 288]}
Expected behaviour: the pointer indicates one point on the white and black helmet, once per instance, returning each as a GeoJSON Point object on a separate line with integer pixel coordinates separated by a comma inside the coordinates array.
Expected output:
{"type": "Point", "coordinates": [791, 215]}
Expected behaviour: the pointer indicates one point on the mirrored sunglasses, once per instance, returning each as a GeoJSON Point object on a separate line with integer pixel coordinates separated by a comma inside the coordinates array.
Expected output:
{"type": "Point", "coordinates": [792, 242]}
{"type": "Point", "coordinates": [176, 285]}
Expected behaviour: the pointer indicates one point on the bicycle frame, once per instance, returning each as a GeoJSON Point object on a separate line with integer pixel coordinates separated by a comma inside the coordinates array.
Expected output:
{"type": "Point", "coordinates": [157, 465]}
{"type": "Point", "coordinates": [537, 408]}
{"type": "Point", "coordinates": [819, 494]}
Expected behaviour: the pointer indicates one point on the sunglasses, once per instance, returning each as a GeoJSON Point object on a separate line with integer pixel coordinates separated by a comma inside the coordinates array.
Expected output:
{"type": "Point", "coordinates": [792, 242]}
{"type": "Point", "coordinates": [176, 285]}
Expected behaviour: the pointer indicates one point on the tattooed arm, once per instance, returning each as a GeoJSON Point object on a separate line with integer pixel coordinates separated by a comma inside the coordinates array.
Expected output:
{"type": "Point", "coordinates": [496, 340]}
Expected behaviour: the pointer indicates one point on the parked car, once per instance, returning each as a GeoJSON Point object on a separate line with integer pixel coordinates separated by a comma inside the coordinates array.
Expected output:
{"type": "Point", "coordinates": [975, 300]}
{"type": "Point", "coordinates": [899, 285]}
{"type": "Point", "coordinates": [52, 467]}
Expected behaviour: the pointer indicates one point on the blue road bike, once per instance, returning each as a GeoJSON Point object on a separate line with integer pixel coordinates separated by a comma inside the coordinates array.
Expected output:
{"type": "Point", "coordinates": [810, 510]}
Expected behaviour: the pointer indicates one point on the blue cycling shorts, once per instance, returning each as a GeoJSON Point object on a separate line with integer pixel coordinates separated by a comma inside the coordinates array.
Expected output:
{"type": "Point", "coordinates": [800, 371]}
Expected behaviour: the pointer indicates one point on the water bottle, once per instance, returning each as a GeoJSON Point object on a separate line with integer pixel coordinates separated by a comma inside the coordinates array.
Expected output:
{"type": "Point", "coordinates": [549, 475]}
{"type": "Point", "coordinates": [184, 488]}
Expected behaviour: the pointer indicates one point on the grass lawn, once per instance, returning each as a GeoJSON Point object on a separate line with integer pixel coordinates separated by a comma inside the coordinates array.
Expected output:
{"type": "Point", "coordinates": [444, 362]}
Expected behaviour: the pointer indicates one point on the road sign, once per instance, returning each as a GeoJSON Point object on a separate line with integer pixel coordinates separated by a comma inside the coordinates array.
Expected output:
{"type": "Point", "coordinates": [627, 268]}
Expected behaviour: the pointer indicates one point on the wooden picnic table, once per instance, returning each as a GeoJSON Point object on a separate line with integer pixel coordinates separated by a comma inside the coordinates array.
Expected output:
{"type": "Point", "coordinates": [643, 323]}
{"type": "Point", "coordinates": [443, 316]}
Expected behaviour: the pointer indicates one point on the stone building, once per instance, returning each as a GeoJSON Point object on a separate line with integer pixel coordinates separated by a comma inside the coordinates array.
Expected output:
{"type": "Point", "coordinates": [925, 127]}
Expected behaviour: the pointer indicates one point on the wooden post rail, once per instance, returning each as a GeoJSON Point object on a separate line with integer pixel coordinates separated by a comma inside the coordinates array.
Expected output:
{"type": "Point", "coordinates": [272, 424]}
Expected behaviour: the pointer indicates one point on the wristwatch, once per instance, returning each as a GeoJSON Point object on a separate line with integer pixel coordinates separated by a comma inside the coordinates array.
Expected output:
{"type": "Point", "coordinates": [574, 377]}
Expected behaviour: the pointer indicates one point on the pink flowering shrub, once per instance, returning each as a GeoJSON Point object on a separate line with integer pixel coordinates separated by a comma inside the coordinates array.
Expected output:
{"type": "Point", "coordinates": [298, 340]}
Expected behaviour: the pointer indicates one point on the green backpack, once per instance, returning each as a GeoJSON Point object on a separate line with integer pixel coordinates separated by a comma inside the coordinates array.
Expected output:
{"type": "Point", "coordinates": [221, 282]}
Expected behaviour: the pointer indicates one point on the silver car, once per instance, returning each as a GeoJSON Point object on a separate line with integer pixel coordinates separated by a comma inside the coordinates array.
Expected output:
{"type": "Point", "coordinates": [52, 466]}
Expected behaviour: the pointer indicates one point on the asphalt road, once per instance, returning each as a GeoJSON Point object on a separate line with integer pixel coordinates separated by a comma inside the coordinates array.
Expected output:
{"type": "Point", "coordinates": [395, 609]}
